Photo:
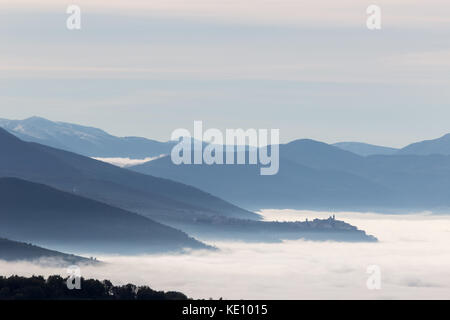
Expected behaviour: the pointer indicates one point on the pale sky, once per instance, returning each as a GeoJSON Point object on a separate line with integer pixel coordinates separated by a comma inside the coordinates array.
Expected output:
{"type": "Point", "coordinates": [311, 69]}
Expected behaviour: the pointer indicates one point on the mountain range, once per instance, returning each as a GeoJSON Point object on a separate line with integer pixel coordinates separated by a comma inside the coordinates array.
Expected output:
{"type": "Point", "coordinates": [428, 147]}
{"type": "Point", "coordinates": [94, 142]}
{"type": "Point", "coordinates": [87, 141]}
{"type": "Point", "coordinates": [84, 203]}
{"type": "Point", "coordinates": [312, 175]}
{"type": "Point", "coordinates": [315, 175]}
{"type": "Point", "coordinates": [83, 176]}
{"type": "Point", "coordinates": [37, 213]}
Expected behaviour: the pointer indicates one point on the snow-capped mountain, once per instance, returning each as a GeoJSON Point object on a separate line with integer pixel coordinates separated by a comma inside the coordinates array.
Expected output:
{"type": "Point", "coordinates": [84, 140]}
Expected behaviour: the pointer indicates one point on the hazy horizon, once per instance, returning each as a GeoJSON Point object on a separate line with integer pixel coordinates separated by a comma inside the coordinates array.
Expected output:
{"type": "Point", "coordinates": [309, 69]}
{"type": "Point", "coordinates": [118, 161]}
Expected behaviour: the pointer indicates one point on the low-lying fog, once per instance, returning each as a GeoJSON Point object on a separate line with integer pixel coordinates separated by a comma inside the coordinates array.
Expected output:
{"type": "Point", "coordinates": [127, 162]}
{"type": "Point", "coordinates": [413, 253]}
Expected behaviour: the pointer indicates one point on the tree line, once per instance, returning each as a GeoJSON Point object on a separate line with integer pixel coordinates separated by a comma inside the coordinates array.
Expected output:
{"type": "Point", "coordinates": [55, 288]}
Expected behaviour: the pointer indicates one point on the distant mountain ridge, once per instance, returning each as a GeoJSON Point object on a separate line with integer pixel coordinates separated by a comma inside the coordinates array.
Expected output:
{"type": "Point", "coordinates": [315, 175]}
{"type": "Point", "coordinates": [94, 142]}
{"type": "Point", "coordinates": [429, 147]}
{"type": "Point", "coordinates": [365, 149]}
{"type": "Point", "coordinates": [309, 177]}
{"type": "Point", "coordinates": [87, 141]}
{"type": "Point", "coordinates": [312, 175]}
{"type": "Point", "coordinates": [423, 148]}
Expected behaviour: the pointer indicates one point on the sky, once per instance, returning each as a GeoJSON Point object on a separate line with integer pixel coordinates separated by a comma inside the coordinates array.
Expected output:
{"type": "Point", "coordinates": [412, 255]}
{"type": "Point", "coordinates": [310, 69]}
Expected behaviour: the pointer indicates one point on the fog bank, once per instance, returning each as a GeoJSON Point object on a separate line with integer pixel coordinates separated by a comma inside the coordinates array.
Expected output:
{"type": "Point", "coordinates": [413, 254]}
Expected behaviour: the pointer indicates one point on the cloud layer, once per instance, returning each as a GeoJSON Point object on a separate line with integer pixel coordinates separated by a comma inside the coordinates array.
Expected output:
{"type": "Point", "coordinates": [413, 255]}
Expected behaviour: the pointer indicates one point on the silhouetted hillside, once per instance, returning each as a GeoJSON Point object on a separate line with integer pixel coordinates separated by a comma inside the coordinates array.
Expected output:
{"type": "Point", "coordinates": [19, 251]}
{"type": "Point", "coordinates": [223, 228]}
{"type": "Point", "coordinates": [154, 197]}
{"type": "Point", "coordinates": [36, 213]}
